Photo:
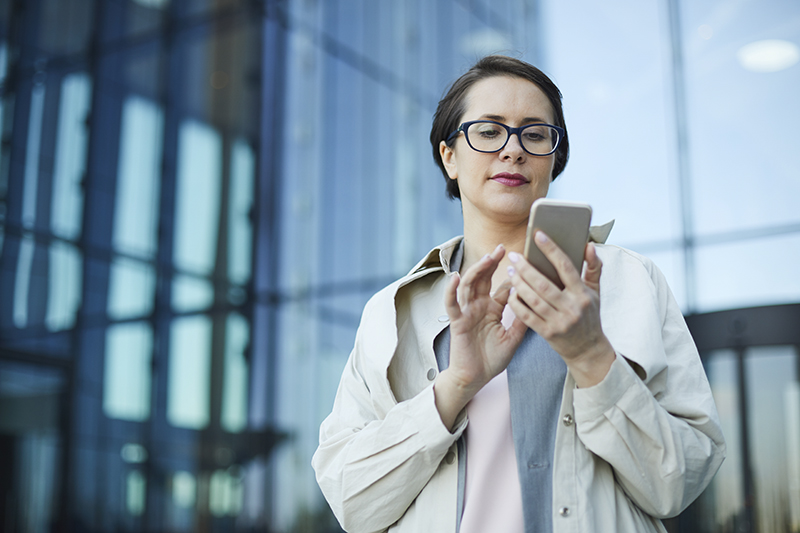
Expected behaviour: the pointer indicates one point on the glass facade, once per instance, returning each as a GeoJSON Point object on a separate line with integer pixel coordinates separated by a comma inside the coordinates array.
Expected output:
{"type": "Point", "coordinates": [198, 197]}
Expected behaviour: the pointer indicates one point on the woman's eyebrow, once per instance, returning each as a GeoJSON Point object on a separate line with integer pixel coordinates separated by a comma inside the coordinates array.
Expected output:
{"type": "Point", "coordinates": [501, 118]}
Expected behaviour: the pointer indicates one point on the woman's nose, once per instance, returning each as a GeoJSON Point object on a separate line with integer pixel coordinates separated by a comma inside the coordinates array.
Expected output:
{"type": "Point", "coordinates": [513, 148]}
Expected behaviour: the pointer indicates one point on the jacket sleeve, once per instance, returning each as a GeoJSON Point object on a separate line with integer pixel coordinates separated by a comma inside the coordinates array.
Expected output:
{"type": "Point", "coordinates": [652, 418]}
{"type": "Point", "coordinates": [375, 455]}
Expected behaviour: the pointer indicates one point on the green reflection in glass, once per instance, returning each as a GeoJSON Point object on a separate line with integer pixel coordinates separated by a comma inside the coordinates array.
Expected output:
{"type": "Point", "coordinates": [184, 489]}
{"type": "Point", "coordinates": [135, 489]}
{"type": "Point", "coordinates": [225, 493]}
{"type": "Point", "coordinates": [189, 372]}
{"type": "Point", "coordinates": [126, 383]}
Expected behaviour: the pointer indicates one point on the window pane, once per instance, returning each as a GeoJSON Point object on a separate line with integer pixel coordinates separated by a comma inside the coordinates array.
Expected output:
{"type": "Point", "coordinates": [190, 293]}
{"type": "Point", "coordinates": [136, 213]}
{"type": "Point", "coordinates": [126, 384]}
{"type": "Point", "coordinates": [31, 186]}
{"type": "Point", "coordinates": [772, 380]}
{"type": "Point", "coordinates": [234, 391]}
{"type": "Point", "coordinates": [65, 281]}
{"type": "Point", "coordinates": [22, 281]}
{"type": "Point", "coordinates": [70, 163]}
{"type": "Point", "coordinates": [189, 372]}
{"type": "Point", "coordinates": [723, 501]}
{"type": "Point", "coordinates": [131, 288]}
{"type": "Point", "coordinates": [240, 233]}
{"type": "Point", "coordinates": [618, 112]}
{"type": "Point", "coordinates": [750, 273]}
{"type": "Point", "coordinates": [740, 179]}
{"type": "Point", "coordinates": [197, 197]}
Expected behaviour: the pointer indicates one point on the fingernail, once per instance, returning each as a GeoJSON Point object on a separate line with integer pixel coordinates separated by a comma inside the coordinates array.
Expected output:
{"type": "Point", "coordinates": [513, 257]}
{"type": "Point", "coordinates": [485, 257]}
{"type": "Point", "coordinates": [541, 237]}
{"type": "Point", "coordinates": [511, 271]}
{"type": "Point", "coordinates": [512, 291]}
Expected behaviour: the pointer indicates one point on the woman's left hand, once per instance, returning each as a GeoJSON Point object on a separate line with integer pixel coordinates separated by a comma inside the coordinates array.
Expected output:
{"type": "Point", "coordinates": [568, 319]}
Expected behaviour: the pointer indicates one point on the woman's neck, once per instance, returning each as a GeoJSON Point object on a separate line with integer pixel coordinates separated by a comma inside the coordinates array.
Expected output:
{"type": "Point", "coordinates": [481, 237]}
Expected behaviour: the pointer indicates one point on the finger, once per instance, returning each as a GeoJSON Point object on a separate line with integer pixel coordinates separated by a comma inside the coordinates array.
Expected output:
{"type": "Point", "coordinates": [501, 294]}
{"type": "Point", "coordinates": [523, 274]}
{"type": "Point", "coordinates": [524, 313]}
{"type": "Point", "coordinates": [478, 278]}
{"type": "Point", "coordinates": [594, 267]}
{"type": "Point", "coordinates": [536, 296]}
{"type": "Point", "coordinates": [451, 298]}
{"type": "Point", "coordinates": [560, 261]}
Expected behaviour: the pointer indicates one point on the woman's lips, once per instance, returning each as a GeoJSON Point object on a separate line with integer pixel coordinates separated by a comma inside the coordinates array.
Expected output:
{"type": "Point", "coordinates": [510, 180]}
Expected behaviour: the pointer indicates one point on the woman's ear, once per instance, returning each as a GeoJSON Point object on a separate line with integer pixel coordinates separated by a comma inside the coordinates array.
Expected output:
{"type": "Point", "coordinates": [448, 160]}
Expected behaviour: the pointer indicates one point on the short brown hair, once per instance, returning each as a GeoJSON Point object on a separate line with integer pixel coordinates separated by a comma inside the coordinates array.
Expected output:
{"type": "Point", "coordinates": [452, 107]}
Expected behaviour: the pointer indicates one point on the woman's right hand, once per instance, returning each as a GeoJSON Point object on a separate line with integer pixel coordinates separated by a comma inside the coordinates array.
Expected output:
{"type": "Point", "coordinates": [480, 346]}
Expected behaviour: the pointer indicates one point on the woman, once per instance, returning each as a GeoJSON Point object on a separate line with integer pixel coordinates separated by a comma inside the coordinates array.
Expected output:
{"type": "Point", "coordinates": [479, 396]}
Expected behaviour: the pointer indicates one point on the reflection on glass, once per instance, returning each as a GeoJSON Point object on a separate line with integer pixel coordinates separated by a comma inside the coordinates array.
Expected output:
{"type": "Point", "coordinates": [726, 491]}
{"type": "Point", "coordinates": [126, 383]}
{"type": "Point", "coordinates": [762, 272]}
{"type": "Point", "coordinates": [131, 288]}
{"type": "Point", "coordinates": [70, 157]}
{"type": "Point", "coordinates": [197, 197]}
{"type": "Point", "coordinates": [29, 402]}
{"type": "Point", "coordinates": [770, 372]}
{"type": "Point", "coordinates": [64, 286]}
{"type": "Point", "coordinates": [792, 405]}
{"type": "Point", "coordinates": [191, 293]}
{"type": "Point", "coordinates": [3, 67]}
{"type": "Point", "coordinates": [135, 488]}
{"type": "Point", "coordinates": [184, 490]}
{"type": "Point", "coordinates": [136, 204]}
{"type": "Point", "coordinates": [234, 388]}
{"type": "Point", "coordinates": [31, 185]}
{"type": "Point", "coordinates": [22, 281]}
{"type": "Point", "coordinates": [225, 493]}
{"type": "Point", "coordinates": [189, 372]}
{"type": "Point", "coordinates": [241, 200]}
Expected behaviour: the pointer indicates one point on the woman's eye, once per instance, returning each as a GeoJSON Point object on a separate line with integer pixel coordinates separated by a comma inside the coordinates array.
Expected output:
{"type": "Point", "coordinates": [489, 133]}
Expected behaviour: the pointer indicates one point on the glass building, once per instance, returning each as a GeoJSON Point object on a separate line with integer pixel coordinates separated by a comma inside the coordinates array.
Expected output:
{"type": "Point", "coordinates": [197, 198]}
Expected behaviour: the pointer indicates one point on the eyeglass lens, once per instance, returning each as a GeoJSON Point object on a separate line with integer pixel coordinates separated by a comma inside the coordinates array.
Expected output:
{"type": "Point", "coordinates": [490, 137]}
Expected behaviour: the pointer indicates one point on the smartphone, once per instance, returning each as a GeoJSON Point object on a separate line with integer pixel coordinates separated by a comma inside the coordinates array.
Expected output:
{"type": "Point", "coordinates": [567, 224]}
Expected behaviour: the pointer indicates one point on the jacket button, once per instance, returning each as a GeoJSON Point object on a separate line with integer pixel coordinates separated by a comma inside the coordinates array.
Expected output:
{"type": "Point", "coordinates": [564, 511]}
{"type": "Point", "coordinates": [567, 419]}
{"type": "Point", "coordinates": [444, 318]}
{"type": "Point", "coordinates": [431, 374]}
{"type": "Point", "coordinates": [450, 458]}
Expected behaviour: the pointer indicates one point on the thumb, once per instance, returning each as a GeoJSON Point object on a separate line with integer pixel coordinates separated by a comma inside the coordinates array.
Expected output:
{"type": "Point", "coordinates": [501, 294]}
{"type": "Point", "coordinates": [594, 266]}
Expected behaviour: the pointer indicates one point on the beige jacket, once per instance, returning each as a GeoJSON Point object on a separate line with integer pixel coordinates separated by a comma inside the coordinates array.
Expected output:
{"type": "Point", "coordinates": [639, 446]}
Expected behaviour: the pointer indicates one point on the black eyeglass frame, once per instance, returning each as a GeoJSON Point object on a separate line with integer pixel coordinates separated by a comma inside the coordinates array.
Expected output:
{"type": "Point", "coordinates": [511, 131]}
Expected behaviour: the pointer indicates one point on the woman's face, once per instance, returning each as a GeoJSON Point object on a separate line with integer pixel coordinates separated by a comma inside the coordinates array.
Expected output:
{"type": "Point", "coordinates": [502, 185]}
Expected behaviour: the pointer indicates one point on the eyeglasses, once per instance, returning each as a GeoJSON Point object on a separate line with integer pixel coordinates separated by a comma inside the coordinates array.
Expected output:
{"type": "Point", "coordinates": [488, 136]}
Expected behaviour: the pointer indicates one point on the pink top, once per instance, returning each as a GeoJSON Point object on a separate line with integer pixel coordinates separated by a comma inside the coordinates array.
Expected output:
{"type": "Point", "coordinates": [492, 494]}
